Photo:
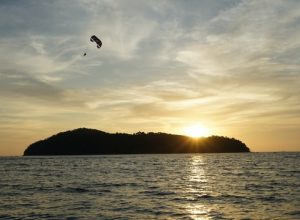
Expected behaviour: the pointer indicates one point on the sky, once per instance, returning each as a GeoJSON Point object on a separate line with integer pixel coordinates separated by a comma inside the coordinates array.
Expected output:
{"type": "Point", "coordinates": [230, 67]}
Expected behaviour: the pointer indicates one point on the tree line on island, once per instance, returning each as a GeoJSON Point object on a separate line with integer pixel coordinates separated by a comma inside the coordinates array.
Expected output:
{"type": "Point", "coordinates": [84, 141]}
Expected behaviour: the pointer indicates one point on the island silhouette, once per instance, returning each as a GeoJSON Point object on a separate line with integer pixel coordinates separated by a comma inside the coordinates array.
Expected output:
{"type": "Point", "coordinates": [84, 141]}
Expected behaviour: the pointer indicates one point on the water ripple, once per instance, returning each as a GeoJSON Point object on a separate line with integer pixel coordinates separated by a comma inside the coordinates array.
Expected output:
{"type": "Point", "coordinates": [186, 186]}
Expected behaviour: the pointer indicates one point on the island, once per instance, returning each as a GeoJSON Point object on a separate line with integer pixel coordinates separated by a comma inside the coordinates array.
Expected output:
{"type": "Point", "coordinates": [84, 141]}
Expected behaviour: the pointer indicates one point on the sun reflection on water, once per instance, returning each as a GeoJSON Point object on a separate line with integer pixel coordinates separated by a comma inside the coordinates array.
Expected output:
{"type": "Point", "coordinates": [197, 173]}
{"type": "Point", "coordinates": [197, 188]}
{"type": "Point", "coordinates": [197, 212]}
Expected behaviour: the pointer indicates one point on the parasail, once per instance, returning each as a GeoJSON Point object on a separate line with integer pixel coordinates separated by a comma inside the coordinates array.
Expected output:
{"type": "Point", "coordinates": [96, 40]}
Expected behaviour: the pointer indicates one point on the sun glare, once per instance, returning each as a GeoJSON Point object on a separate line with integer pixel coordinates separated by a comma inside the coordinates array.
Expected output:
{"type": "Point", "coordinates": [196, 131]}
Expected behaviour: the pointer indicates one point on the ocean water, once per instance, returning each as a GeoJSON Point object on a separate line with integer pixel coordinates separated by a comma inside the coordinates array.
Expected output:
{"type": "Point", "coordinates": [181, 186]}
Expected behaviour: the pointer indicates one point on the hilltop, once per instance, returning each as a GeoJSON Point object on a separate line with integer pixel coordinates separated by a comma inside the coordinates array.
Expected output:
{"type": "Point", "coordinates": [84, 141]}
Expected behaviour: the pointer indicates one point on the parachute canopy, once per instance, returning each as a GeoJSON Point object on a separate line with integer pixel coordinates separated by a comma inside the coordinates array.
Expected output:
{"type": "Point", "coordinates": [96, 40]}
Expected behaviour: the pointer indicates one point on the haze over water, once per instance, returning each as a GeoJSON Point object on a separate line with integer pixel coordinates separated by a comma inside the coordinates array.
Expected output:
{"type": "Point", "coordinates": [181, 186]}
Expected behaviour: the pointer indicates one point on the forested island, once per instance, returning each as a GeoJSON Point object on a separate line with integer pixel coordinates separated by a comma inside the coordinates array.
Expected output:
{"type": "Point", "coordinates": [84, 141]}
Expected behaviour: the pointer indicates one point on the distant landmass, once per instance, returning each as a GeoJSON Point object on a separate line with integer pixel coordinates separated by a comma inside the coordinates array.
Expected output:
{"type": "Point", "coordinates": [84, 141]}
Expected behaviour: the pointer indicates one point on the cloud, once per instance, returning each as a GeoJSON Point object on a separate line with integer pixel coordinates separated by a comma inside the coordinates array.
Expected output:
{"type": "Point", "coordinates": [228, 63]}
{"type": "Point", "coordinates": [14, 84]}
{"type": "Point", "coordinates": [243, 35]}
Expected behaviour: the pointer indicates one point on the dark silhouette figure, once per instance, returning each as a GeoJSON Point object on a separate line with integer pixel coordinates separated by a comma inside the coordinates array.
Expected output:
{"type": "Point", "coordinates": [85, 141]}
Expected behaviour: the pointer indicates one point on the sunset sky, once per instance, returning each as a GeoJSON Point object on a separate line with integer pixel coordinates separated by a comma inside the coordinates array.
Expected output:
{"type": "Point", "coordinates": [230, 67]}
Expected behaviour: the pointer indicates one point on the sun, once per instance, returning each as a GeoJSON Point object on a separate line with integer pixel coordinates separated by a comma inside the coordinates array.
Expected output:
{"type": "Point", "coordinates": [196, 131]}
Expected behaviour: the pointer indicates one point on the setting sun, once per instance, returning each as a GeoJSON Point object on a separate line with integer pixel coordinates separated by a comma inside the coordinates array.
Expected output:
{"type": "Point", "coordinates": [196, 131]}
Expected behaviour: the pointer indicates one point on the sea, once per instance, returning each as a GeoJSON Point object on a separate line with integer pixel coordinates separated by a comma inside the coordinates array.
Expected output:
{"type": "Point", "coordinates": [153, 186]}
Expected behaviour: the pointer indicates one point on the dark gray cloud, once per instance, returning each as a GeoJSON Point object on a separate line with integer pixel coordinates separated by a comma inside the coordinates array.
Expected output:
{"type": "Point", "coordinates": [51, 18]}
{"type": "Point", "coordinates": [15, 84]}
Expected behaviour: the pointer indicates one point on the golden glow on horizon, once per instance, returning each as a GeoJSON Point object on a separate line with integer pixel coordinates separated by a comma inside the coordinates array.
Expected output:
{"type": "Point", "coordinates": [196, 131]}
